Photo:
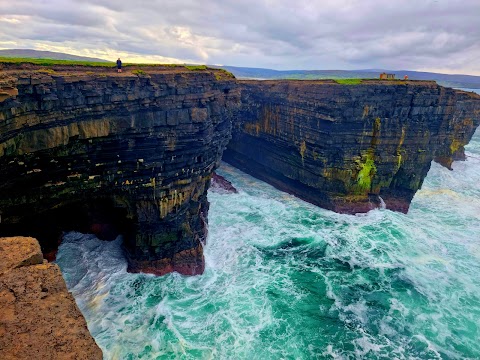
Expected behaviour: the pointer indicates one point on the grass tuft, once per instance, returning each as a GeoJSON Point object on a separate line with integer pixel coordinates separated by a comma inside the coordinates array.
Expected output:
{"type": "Point", "coordinates": [348, 81]}
{"type": "Point", "coordinates": [139, 72]}
{"type": "Point", "coordinates": [196, 67]}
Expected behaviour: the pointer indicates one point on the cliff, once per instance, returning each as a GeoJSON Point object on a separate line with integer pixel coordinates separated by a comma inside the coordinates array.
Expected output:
{"type": "Point", "coordinates": [134, 153]}
{"type": "Point", "coordinates": [38, 316]}
{"type": "Point", "coordinates": [109, 153]}
{"type": "Point", "coordinates": [343, 147]}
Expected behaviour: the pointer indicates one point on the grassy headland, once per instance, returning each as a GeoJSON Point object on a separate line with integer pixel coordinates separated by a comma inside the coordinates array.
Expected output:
{"type": "Point", "coordinates": [137, 68]}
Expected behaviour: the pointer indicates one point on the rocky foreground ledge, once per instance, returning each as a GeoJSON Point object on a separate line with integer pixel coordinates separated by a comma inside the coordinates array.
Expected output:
{"type": "Point", "coordinates": [39, 318]}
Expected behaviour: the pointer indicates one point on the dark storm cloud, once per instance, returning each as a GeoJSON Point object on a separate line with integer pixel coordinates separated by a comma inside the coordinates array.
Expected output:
{"type": "Point", "coordinates": [429, 34]}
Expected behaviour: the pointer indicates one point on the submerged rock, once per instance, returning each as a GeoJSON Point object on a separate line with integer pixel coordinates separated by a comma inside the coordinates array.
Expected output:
{"type": "Point", "coordinates": [221, 185]}
{"type": "Point", "coordinates": [39, 318]}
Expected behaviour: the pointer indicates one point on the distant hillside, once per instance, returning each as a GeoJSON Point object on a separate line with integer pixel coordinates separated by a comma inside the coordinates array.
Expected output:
{"type": "Point", "coordinates": [457, 81]}
{"type": "Point", "coordinates": [27, 53]}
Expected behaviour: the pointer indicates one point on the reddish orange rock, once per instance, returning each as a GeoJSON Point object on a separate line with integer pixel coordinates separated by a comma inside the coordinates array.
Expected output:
{"type": "Point", "coordinates": [186, 262]}
{"type": "Point", "coordinates": [39, 318]}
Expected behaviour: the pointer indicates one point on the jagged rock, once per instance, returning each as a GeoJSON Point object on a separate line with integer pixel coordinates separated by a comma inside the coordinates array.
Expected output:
{"type": "Point", "coordinates": [221, 185]}
{"type": "Point", "coordinates": [344, 146]}
{"type": "Point", "coordinates": [17, 252]}
{"type": "Point", "coordinates": [39, 318]}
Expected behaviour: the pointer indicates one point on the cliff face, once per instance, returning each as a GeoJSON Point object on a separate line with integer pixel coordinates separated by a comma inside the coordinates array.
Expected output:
{"type": "Point", "coordinates": [38, 316]}
{"type": "Point", "coordinates": [114, 153]}
{"type": "Point", "coordinates": [343, 147]}
{"type": "Point", "coordinates": [134, 153]}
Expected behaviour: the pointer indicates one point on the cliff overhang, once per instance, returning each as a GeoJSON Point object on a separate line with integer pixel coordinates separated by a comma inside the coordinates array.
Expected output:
{"type": "Point", "coordinates": [108, 153]}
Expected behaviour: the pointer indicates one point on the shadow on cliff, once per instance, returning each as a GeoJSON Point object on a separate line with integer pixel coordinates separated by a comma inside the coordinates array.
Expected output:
{"type": "Point", "coordinates": [99, 217]}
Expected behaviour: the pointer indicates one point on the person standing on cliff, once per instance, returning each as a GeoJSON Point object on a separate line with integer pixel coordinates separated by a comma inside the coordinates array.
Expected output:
{"type": "Point", "coordinates": [119, 65]}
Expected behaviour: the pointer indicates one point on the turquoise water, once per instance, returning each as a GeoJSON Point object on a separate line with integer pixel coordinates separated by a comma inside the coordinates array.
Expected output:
{"type": "Point", "coordinates": [287, 280]}
{"type": "Point", "coordinates": [470, 90]}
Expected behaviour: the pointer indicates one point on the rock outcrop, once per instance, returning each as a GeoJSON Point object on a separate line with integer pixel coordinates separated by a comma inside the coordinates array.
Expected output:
{"type": "Point", "coordinates": [108, 153]}
{"type": "Point", "coordinates": [221, 185]}
{"type": "Point", "coordinates": [38, 316]}
{"type": "Point", "coordinates": [343, 147]}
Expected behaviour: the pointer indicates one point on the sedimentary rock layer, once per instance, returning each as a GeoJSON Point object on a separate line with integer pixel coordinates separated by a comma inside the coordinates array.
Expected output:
{"type": "Point", "coordinates": [38, 316]}
{"type": "Point", "coordinates": [109, 153]}
{"type": "Point", "coordinates": [133, 153]}
{"type": "Point", "coordinates": [343, 147]}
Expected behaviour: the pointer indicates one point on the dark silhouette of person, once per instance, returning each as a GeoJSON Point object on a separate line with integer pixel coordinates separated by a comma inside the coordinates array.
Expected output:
{"type": "Point", "coordinates": [119, 65]}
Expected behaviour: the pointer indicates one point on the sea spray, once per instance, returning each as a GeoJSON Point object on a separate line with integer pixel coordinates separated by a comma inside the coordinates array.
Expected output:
{"type": "Point", "coordinates": [285, 279]}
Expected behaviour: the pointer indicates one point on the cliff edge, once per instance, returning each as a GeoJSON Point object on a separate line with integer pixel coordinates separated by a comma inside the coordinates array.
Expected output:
{"type": "Point", "coordinates": [92, 150]}
{"type": "Point", "coordinates": [348, 147]}
{"type": "Point", "coordinates": [39, 318]}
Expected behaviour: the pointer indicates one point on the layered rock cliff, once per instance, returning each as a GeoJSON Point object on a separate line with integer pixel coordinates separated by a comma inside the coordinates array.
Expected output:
{"type": "Point", "coordinates": [343, 147]}
{"type": "Point", "coordinates": [133, 153]}
{"type": "Point", "coordinates": [38, 316]}
{"type": "Point", "coordinates": [111, 154]}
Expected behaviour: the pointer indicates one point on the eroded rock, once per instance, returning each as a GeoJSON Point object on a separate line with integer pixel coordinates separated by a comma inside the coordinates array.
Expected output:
{"type": "Point", "coordinates": [221, 185]}
{"type": "Point", "coordinates": [17, 252]}
{"type": "Point", "coordinates": [39, 318]}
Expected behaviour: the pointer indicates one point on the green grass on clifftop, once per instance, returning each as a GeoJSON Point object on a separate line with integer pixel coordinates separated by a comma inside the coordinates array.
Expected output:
{"type": "Point", "coordinates": [348, 81]}
{"type": "Point", "coordinates": [54, 62]}
{"type": "Point", "coordinates": [51, 62]}
{"type": "Point", "coordinates": [196, 67]}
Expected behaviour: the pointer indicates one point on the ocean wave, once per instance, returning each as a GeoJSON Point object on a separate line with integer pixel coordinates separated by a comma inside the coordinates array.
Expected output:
{"type": "Point", "coordinates": [285, 279]}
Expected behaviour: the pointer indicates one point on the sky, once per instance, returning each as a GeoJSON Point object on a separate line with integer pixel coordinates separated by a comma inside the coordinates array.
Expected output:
{"type": "Point", "coordinates": [427, 35]}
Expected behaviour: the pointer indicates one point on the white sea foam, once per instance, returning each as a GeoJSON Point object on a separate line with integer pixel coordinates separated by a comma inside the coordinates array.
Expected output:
{"type": "Point", "coordinates": [285, 279]}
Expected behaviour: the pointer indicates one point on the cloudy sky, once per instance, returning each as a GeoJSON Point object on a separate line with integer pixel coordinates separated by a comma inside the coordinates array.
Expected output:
{"type": "Point", "coordinates": [433, 35]}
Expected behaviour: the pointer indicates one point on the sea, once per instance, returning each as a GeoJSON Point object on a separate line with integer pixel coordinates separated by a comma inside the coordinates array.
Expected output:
{"type": "Point", "coordinates": [287, 280]}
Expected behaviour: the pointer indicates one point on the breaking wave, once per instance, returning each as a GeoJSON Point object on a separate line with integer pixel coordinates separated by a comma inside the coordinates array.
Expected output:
{"type": "Point", "coordinates": [287, 280]}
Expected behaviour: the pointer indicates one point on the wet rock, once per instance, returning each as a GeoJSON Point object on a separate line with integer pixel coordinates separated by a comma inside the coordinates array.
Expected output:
{"type": "Point", "coordinates": [187, 262]}
{"type": "Point", "coordinates": [221, 185]}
